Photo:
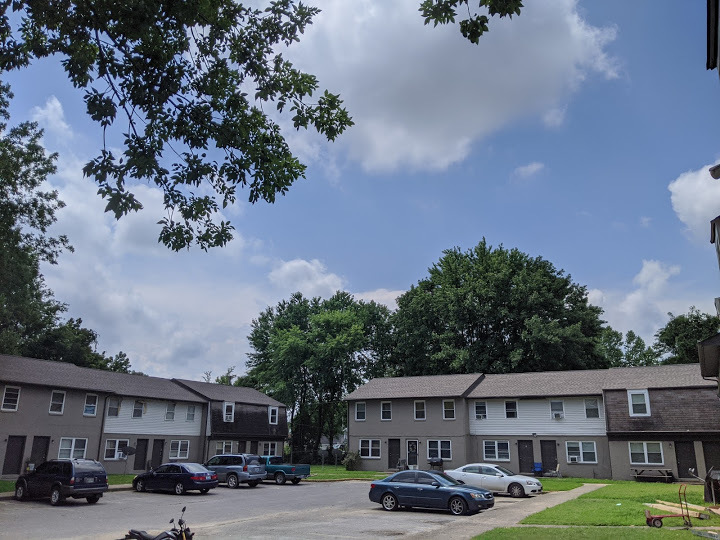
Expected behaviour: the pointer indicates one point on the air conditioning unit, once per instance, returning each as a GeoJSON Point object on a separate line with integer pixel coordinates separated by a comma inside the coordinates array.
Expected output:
{"type": "Point", "coordinates": [573, 459]}
{"type": "Point", "coordinates": [558, 415]}
{"type": "Point", "coordinates": [480, 416]}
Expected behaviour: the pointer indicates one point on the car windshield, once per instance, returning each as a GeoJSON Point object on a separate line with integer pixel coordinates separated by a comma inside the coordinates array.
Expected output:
{"type": "Point", "coordinates": [505, 471]}
{"type": "Point", "coordinates": [194, 467]}
{"type": "Point", "coordinates": [445, 480]}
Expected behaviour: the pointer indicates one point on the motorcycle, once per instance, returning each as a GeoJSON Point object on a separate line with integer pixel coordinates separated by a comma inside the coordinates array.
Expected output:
{"type": "Point", "coordinates": [183, 533]}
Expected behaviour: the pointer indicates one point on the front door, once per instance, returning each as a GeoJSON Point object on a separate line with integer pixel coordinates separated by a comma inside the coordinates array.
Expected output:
{"type": "Point", "coordinates": [548, 455]}
{"type": "Point", "coordinates": [412, 453]}
{"type": "Point", "coordinates": [39, 452]}
{"type": "Point", "coordinates": [14, 454]}
{"type": "Point", "coordinates": [393, 453]}
{"type": "Point", "coordinates": [685, 456]}
{"type": "Point", "coordinates": [141, 455]}
{"type": "Point", "coordinates": [526, 456]}
{"type": "Point", "coordinates": [157, 453]}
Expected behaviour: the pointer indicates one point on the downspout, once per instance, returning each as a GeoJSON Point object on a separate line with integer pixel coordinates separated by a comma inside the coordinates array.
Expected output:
{"type": "Point", "coordinates": [102, 427]}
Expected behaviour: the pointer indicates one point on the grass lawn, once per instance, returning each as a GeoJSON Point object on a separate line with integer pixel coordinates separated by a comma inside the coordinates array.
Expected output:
{"type": "Point", "coordinates": [551, 483]}
{"type": "Point", "coordinates": [7, 486]}
{"type": "Point", "coordinates": [573, 533]}
{"type": "Point", "coordinates": [338, 472]}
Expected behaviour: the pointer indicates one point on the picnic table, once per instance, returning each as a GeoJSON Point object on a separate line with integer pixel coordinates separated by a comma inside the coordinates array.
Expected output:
{"type": "Point", "coordinates": [653, 475]}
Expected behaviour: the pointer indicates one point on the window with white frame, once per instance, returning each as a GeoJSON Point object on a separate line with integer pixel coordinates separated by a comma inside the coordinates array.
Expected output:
{"type": "Point", "coordinates": [273, 415]}
{"type": "Point", "coordinates": [270, 449]}
{"type": "Point", "coordinates": [449, 409]}
{"type": "Point", "coordinates": [385, 410]}
{"type": "Point", "coordinates": [581, 451]}
{"type": "Point", "coordinates": [190, 415]}
{"type": "Point", "coordinates": [639, 402]}
{"type": "Point", "coordinates": [439, 449]}
{"type": "Point", "coordinates": [419, 410]}
{"type": "Point", "coordinates": [360, 411]}
{"type": "Point", "coordinates": [646, 453]}
{"type": "Point", "coordinates": [138, 409]}
{"type": "Point", "coordinates": [57, 402]}
{"type": "Point", "coordinates": [72, 448]}
{"type": "Point", "coordinates": [223, 447]}
{"type": "Point", "coordinates": [11, 398]}
{"type": "Point", "coordinates": [370, 448]}
{"type": "Point", "coordinates": [557, 409]}
{"type": "Point", "coordinates": [91, 401]}
{"type": "Point", "coordinates": [113, 407]}
{"type": "Point", "coordinates": [480, 410]}
{"type": "Point", "coordinates": [229, 411]}
{"type": "Point", "coordinates": [592, 408]}
{"type": "Point", "coordinates": [179, 449]}
{"type": "Point", "coordinates": [496, 450]}
{"type": "Point", "coordinates": [115, 449]}
{"type": "Point", "coordinates": [511, 409]}
{"type": "Point", "coordinates": [170, 412]}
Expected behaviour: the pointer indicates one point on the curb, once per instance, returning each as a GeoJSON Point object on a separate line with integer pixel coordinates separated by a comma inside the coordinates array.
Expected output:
{"type": "Point", "coordinates": [120, 487]}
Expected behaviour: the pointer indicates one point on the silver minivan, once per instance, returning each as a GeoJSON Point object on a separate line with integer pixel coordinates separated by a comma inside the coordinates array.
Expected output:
{"type": "Point", "coordinates": [234, 469]}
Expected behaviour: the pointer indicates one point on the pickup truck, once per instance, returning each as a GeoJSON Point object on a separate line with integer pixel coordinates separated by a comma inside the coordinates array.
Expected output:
{"type": "Point", "coordinates": [278, 471]}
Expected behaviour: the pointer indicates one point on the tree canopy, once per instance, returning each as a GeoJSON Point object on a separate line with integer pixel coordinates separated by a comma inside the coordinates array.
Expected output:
{"type": "Point", "coordinates": [494, 310]}
{"type": "Point", "coordinates": [678, 339]}
{"type": "Point", "coordinates": [475, 24]}
{"type": "Point", "coordinates": [187, 82]}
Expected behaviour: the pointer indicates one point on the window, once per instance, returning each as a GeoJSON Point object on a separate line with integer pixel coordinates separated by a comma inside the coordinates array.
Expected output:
{"type": "Point", "coordinates": [439, 449]}
{"type": "Point", "coordinates": [190, 416]}
{"type": "Point", "coordinates": [11, 398]}
{"type": "Point", "coordinates": [557, 410]}
{"type": "Point", "coordinates": [360, 411]}
{"type": "Point", "coordinates": [269, 449]}
{"type": "Point", "coordinates": [229, 411]}
{"type": "Point", "coordinates": [511, 409]}
{"type": "Point", "coordinates": [113, 407]}
{"type": "Point", "coordinates": [639, 402]}
{"type": "Point", "coordinates": [592, 409]}
{"type": "Point", "coordinates": [497, 450]}
{"type": "Point", "coordinates": [646, 453]}
{"type": "Point", "coordinates": [91, 401]}
{"type": "Point", "coordinates": [223, 447]}
{"type": "Point", "coordinates": [170, 412]}
{"type": "Point", "coordinates": [407, 477]}
{"type": "Point", "coordinates": [72, 448]}
{"type": "Point", "coordinates": [480, 410]}
{"type": "Point", "coordinates": [370, 448]}
{"type": "Point", "coordinates": [385, 410]}
{"type": "Point", "coordinates": [57, 402]}
{"type": "Point", "coordinates": [138, 409]}
{"type": "Point", "coordinates": [449, 409]}
{"type": "Point", "coordinates": [179, 449]}
{"type": "Point", "coordinates": [419, 410]}
{"type": "Point", "coordinates": [581, 452]}
{"type": "Point", "coordinates": [114, 448]}
{"type": "Point", "coordinates": [273, 415]}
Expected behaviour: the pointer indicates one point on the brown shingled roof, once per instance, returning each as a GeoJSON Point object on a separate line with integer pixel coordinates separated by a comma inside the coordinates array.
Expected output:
{"type": "Point", "coordinates": [415, 387]}
{"type": "Point", "coordinates": [223, 392]}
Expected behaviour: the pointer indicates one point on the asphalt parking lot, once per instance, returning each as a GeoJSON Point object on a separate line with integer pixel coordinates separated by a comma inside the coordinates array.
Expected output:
{"type": "Point", "coordinates": [307, 510]}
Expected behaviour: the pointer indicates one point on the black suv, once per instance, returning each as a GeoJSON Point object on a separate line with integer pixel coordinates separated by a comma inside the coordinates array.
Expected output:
{"type": "Point", "coordinates": [62, 478]}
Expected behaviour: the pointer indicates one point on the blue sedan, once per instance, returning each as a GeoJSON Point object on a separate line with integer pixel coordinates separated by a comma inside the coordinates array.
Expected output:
{"type": "Point", "coordinates": [429, 489]}
{"type": "Point", "coordinates": [177, 477]}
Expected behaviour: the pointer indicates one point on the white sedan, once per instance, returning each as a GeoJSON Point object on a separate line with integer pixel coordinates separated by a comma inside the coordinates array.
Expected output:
{"type": "Point", "coordinates": [497, 479]}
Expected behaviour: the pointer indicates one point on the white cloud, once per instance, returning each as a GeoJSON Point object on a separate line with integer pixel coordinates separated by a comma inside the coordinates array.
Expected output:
{"type": "Point", "coordinates": [422, 96]}
{"type": "Point", "coordinates": [52, 118]}
{"type": "Point", "coordinates": [695, 197]}
{"type": "Point", "coordinates": [381, 296]}
{"type": "Point", "coordinates": [311, 278]}
{"type": "Point", "coordinates": [529, 170]}
{"type": "Point", "coordinates": [555, 117]}
{"type": "Point", "coordinates": [645, 222]}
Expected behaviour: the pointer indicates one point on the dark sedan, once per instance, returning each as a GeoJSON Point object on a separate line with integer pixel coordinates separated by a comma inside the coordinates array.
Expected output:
{"type": "Point", "coordinates": [429, 489]}
{"type": "Point", "coordinates": [177, 477]}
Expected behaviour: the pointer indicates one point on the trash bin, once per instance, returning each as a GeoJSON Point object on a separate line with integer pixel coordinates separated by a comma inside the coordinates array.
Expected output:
{"type": "Point", "coordinates": [712, 487]}
{"type": "Point", "coordinates": [436, 463]}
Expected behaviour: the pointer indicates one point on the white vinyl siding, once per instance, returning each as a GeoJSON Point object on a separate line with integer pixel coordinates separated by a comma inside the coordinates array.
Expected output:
{"type": "Point", "coordinates": [72, 448]}
{"type": "Point", "coordinates": [57, 402]}
{"type": "Point", "coordinates": [533, 417]}
{"type": "Point", "coordinates": [11, 398]}
{"type": "Point", "coordinates": [153, 421]}
{"type": "Point", "coordinates": [179, 449]}
{"type": "Point", "coordinates": [370, 448]}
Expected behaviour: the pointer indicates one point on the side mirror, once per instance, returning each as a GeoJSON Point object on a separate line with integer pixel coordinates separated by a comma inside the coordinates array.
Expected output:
{"type": "Point", "coordinates": [172, 521]}
{"type": "Point", "coordinates": [435, 484]}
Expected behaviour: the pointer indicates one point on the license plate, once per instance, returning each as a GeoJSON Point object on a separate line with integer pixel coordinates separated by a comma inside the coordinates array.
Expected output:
{"type": "Point", "coordinates": [89, 480]}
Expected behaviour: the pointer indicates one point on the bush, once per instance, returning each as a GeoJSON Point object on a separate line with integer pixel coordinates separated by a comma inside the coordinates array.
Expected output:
{"type": "Point", "coordinates": [351, 461]}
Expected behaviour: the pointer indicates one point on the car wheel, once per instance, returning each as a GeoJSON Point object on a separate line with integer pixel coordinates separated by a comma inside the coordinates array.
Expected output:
{"type": "Point", "coordinates": [20, 491]}
{"type": "Point", "coordinates": [55, 496]}
{"type": "Point", "coordinates": [280, 478]}
{"type": "Point", "coordinates": [204, 490]}
{"type": "Point", "coordinates": [179, 488]}
{"type": "Point", "coordinates": [140, 485]}
{"type": "Point", "coordinates": [458, 506]}
{"type": "Point", "coordinates": [296, 481]}
{"type": "Point", "coordinates": [516, 490]}
{"type": "Point", "coordinates": [92, 499]}
{"type": "Point", "coordinates": [253, 483]}
{"type": "Point", "coordinates": [389, 502]}
{"type": "Point", "coordinates": [232, 481]}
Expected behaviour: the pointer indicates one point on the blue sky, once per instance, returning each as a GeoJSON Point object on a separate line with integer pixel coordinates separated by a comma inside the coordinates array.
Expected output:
{"type": "Point", "coordinates": [580, 132]}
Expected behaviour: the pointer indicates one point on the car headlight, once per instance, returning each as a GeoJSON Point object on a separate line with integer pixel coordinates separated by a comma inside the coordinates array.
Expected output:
{"type": "Point", "coordinates": [477, 495]}
{"type": "Point", "coordinates": [532, 483]}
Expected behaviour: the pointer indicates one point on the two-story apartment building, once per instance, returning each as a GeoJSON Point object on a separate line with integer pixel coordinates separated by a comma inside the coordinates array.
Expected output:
{"type": "Point", "coordinates": [610, 423]}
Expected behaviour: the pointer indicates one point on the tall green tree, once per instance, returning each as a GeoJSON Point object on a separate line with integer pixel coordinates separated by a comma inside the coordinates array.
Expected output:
{"type": "Point", "coordinates": [625, 352]}
{"type": "Point", "coordinates": [187, 85]}
{"type": "Point", "coordinates": [679, 337]}
{"type": "Point", "coordinates": [495, 310]}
